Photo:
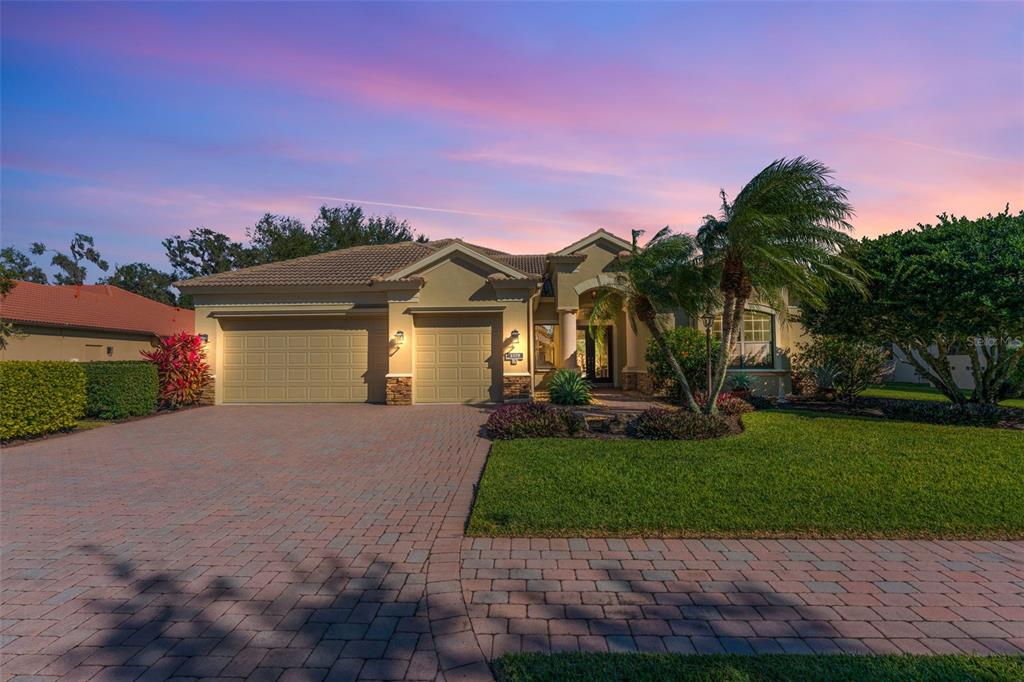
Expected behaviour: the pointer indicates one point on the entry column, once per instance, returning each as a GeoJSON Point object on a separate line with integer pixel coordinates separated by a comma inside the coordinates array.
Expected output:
{"type": "Point", "coordinates": [567, 335]}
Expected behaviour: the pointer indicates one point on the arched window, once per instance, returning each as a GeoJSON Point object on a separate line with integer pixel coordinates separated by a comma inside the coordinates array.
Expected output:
{"type": "Point", "coordinates": [756, 347]}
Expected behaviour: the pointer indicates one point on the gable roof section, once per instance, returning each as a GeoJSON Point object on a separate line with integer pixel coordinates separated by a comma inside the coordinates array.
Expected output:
{"type": "Point", "coordinates": [593, 238]}
{"type": "Point", "coordinates": [452, 248]}
{"type": "Point", "coordinates": [93, 306]}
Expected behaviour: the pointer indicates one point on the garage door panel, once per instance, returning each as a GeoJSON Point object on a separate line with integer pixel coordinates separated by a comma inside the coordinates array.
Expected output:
{"type": "Point", "coordinates": [330, 361]}
{"type": "Point", "coordinates": [456, 360]}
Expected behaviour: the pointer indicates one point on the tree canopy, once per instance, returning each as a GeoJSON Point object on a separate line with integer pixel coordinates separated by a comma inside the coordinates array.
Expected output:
{"type": "Point", "coordinates": [144, 280]}
{"type": "Point", "coordinates": [956, 286]}
{"type": "Point", "coordinates": [71, 268]}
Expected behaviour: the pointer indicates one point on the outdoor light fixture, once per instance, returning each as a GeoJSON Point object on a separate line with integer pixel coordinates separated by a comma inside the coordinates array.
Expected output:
{"type": "Point", "coordinates": [515, 336]}
{"type": "Point", "coordinates": [399, 337]}
{"type": "Point", "coordinates": [205, 338]}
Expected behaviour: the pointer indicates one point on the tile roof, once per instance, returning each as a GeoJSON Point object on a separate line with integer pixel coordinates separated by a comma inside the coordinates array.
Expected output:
{"type": "Point", "coordinates": [353, 266]}
{"type": "Point", "coordinates": [93, 306]}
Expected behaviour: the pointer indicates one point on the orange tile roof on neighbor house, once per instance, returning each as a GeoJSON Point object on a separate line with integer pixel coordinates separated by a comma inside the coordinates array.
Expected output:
{"type": "Point", "coordinates": [93, 306]}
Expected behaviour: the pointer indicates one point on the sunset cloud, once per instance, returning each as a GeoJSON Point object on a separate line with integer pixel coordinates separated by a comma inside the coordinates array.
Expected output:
{"type": "Point", "coordinates": [515, 126]}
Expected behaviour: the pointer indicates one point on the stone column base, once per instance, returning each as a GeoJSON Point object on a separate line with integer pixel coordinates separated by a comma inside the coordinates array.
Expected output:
{"type": "Point", "coordinates": [644, 383]}
{"type": "Point", "coordinates": [629, 380]}
{"type": "Point", "coordinates": [517, 388]}
{"type": "Point", "coordinates": [399, 390]}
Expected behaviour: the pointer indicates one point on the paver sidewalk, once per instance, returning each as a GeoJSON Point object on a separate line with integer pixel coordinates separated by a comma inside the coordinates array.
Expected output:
{"type": "Point", "coordinates": [745, 596]}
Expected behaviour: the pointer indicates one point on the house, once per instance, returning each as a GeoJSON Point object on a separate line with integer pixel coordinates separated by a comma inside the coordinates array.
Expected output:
{"type": "Point", "coordinates": [438, 322]}
{"type": "Point", "coordinates": [85, 322]}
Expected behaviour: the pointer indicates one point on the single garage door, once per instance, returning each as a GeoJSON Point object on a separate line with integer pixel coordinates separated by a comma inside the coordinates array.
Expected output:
{"type": "Point", "coordinates": [456, 361]}
{"type": "Point", "coordinates": [304, 361]}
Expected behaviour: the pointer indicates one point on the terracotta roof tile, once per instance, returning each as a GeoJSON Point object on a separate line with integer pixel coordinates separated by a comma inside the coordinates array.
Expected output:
{"type": "Point", "coordinates": [354, 266]}
{"type": "Point", "coordinates": [93, 306]}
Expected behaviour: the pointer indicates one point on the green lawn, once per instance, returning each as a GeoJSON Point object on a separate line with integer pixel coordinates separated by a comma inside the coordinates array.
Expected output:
{"type": "Point", "coordinates": [788, 474]}
{"type": "Point", "coordinates": [775, 668]}
{"type": "Point", "coordinates": [905, 391]}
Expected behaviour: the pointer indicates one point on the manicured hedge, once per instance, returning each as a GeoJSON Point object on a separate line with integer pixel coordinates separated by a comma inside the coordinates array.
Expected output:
{"type": "Point", "coordinates": [39, 397]}
{"type": "Point", "coordinates": [116, 390]}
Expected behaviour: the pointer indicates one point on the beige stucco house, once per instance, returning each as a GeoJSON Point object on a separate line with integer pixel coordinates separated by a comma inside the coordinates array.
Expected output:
{"type": "Point", "coordinates": [442, 321]}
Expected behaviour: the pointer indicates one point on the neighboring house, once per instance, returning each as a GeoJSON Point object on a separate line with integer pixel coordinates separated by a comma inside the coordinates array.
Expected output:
{"type": "Point", "coordinates": [86, 322]}
{"type": "Point", "coordinates": [442, 321]}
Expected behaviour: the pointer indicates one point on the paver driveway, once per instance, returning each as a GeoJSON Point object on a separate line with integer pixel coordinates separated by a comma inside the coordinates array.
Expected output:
{"type": "Point", "coordinates": [263, 541]}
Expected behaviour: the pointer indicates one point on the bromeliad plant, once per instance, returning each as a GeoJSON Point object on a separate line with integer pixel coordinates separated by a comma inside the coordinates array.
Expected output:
{"type": "Point", "coordinates": [569, 387]}
{"type": "Point", "coordinates": [181, 365]}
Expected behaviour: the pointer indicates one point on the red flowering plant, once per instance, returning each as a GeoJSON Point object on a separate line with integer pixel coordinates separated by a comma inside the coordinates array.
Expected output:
{"type": "Point", "coordinates": [181, 365]}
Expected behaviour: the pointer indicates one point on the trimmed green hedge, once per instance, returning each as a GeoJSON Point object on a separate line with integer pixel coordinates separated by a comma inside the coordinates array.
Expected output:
{"type": "Point", "coordinates": [116, 390]}
{"type": "Point", "coordinates": [39, 397]}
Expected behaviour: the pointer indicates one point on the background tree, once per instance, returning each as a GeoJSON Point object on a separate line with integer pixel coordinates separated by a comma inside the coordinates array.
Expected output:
{"type": "Point", "coordinates": [71, 265]}
{"type": "Point", "coordinates": [938, 290]}
{"type": "Point", "coordinates": [204, 252]}
{"type": "Point", "coordinates": [342, 227]}
{"type": "Point", "coordinates": [7, 283]}
{"type": "Point", "coordinates": [15, 265]}
{"type": "Point", "coordinates": [783, 231]}
{"type": "Point", "coordinates": [275, 238]}
{"type": "Point", "coordinates": [144, 280]}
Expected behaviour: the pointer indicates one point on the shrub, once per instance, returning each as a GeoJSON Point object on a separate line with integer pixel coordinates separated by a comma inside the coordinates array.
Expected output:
{"type": "Point", "coordinates": [116, 390]}
{"type": "Point", "coordinates": [844, 365]}
{"type": "Point", "coordinates": [533, 420]}
{"type": "Point", "coordinates": [689, 347]}
{"type": "Point", "coordinates": [657, 423]}
{"type": "Point", "coordinates": [181, 366]}
{"type": "Point", "coordinates": [569, 387]}
{"type": "Point", "coordinates": [727, 403]}
{"type": "Point", "coordinates": [40, 397]}
{"type": "Point", "coordinates": [934, 412]}
{"type": "Point", "coordinates": [1013, 386]}
{"type": "Point", "coordinates": [741, 383]}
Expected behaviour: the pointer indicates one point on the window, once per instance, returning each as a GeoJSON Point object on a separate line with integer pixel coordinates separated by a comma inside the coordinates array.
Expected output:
{"type": "Point", "coordinates": [756, 347]}
{"type": "Point", "coordinates": [544, 346]}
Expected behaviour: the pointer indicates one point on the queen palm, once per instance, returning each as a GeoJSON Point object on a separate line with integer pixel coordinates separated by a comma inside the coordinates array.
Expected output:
{"type": "Point", "coordinates": [783, 231]}
{"type": "Point", "coordinates": [661, 277]}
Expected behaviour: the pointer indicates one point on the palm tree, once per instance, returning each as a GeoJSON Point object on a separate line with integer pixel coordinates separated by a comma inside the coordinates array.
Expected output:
{"type": "Point", "coordinates": [660, 277]}
{"type": "Point", "coordinates": [783, 231]}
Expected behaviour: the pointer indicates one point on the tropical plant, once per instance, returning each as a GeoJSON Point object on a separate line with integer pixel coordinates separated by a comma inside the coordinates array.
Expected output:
{"type": "Point", "coordinates": [727, 403]}
{"type": "Point", "coordinates": [569, 387]}
{"type": "Point", "coordinates": [741, 382]}
{"type": "Point", "coordinates": [783, 232]}
{"type": "Point", "coordinates": [689, 348]}
{"type": "Point", "coordinates": [181, 365]}
{"type": "Point", "coordinates": [661, 277]}
{"type": "Point", "coordinates": [845, 365]}
{"type": "Point", "coordinates": [533, 420]}
{"type": "Point", "coordinates": [937, 291]}
{"type": "Point", "coordinates": [657, 423]}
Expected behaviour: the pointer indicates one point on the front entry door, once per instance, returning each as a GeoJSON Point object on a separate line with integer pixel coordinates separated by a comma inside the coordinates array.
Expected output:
{"type": "Point", "coordinates": [594, 353]}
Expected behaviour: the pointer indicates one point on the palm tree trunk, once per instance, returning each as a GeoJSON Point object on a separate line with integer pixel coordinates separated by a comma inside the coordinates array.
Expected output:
{"type": "Point", "coordinates": [648, 316]}
{"type": "Point", "coordinates": [732, 321]}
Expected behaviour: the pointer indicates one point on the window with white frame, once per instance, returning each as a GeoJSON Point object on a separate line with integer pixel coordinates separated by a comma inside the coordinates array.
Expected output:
{"type": "Point", "coordinates": [756, 347]}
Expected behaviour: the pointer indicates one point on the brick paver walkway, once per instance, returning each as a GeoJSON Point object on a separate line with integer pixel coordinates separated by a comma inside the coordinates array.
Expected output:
{"type": "Point", "coordinates": [326, 540]}
{"type": "Point", "coordinates": [267, 541]}
{"type": "Point", "coordinates": [745, 596]}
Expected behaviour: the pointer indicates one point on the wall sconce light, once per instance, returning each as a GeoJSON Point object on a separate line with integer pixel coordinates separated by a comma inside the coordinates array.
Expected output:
{"type": "Point", "coordinates": [515, 336]}
{"type": "Point", "coordinates": [205, 338]}
{"type": "Point", "coordinates": [399, 337]}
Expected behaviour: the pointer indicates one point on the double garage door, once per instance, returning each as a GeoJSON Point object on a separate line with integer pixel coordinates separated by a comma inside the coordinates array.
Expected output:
{"type": "Point", "coordinates": [346, 360]}
{"type": "Point", "coordinates": [307, 361]}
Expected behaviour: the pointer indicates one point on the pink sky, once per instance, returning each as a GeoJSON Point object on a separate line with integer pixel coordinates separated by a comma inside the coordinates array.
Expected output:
{"type": "Point", "coordinates": [521, 127]}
